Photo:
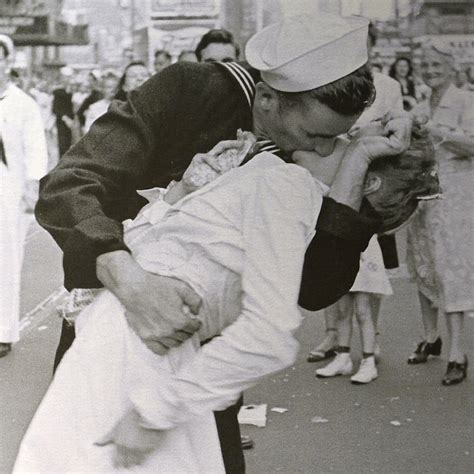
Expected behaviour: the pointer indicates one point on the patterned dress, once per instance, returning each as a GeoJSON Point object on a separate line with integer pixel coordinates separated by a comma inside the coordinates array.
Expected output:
{"type": "Point", "coordinates": [440, 237]}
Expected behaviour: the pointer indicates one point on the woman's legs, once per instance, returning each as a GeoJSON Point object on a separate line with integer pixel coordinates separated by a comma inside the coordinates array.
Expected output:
{"type": "Point", "coordinates": [367, 370]}
{"type": "Point", "coordinates": [344, 312]}
{"type": "Point", "coordinates": [457, 360]}
{"type": "Point", "coordinates": [342, 363]}
{"type": "Point", "coordinates": [375, 303]}
{"type": "Point", "coordinates": [363, 315]}
{"type": "Point", "coordinates": [429, 316]}
{"type": "Point", "coordinates": [432, 342]}
{"type": "Point", "coordinates": [455, 325]}
{"type": "Point", "coordinates": [325, 349]}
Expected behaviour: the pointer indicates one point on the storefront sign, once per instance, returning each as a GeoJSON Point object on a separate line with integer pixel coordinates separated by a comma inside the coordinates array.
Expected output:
{"type": "Point", "coordinates": [24, 25]}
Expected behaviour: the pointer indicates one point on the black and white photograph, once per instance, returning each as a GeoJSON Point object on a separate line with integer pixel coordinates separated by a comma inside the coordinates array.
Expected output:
{"type": "Point", "coordinates": [236, 236]}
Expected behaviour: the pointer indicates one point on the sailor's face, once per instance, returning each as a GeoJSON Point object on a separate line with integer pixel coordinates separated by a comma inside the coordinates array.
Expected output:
{"type": "Point", "coordinates": [307, 125]}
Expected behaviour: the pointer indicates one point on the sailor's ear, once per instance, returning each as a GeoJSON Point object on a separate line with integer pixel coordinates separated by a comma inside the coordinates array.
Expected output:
{"type": "Point", "coordinates": [266, 98]}
{"type": "Point", "coordinates": [372, 184]}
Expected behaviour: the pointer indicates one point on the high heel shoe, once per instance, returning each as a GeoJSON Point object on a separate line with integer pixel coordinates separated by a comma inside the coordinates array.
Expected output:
{"type": "Point", "coordinates": [5, 348]}
{"type": "Point", "coordinates": [424, 350]}
{"type": "Point", "coordinates": [455, 373]}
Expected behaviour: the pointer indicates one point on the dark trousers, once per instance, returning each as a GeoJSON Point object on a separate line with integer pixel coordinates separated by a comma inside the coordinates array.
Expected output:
{"type": "Point", "coordinates": [226, 420]}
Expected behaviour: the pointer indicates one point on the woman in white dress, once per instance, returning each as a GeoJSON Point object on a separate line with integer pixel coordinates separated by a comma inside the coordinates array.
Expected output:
{"type": "Point", "coordinates": [239, 242]}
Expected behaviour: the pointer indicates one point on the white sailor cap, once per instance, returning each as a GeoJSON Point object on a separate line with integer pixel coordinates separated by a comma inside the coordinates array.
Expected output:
{"type": "Point", "coordinates": [8, 43]}
{"type": "Point", "coordinates": [304, 52]}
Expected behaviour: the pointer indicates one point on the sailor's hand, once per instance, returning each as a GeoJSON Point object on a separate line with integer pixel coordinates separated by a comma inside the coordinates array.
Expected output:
{"type": "Point", "coordinates": [159, 309]}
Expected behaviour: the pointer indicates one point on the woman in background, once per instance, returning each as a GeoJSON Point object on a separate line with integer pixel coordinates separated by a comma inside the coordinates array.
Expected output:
{"type": "Point", "coordinates": [401, 70]}
{"type": "Point", "coordinates": [440, 238]}
{"type": "Point", "coordinates": [134, 75]}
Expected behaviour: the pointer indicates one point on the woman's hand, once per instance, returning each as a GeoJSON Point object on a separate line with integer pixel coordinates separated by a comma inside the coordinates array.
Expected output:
{"type": "Point", "coordinates": [132, 441]}
{"type": "Point", "coordinates": [206, 167]}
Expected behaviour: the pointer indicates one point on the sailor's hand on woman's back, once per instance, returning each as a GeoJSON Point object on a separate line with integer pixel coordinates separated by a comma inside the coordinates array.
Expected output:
{"type": "Point", "coordinates": [156, 306]}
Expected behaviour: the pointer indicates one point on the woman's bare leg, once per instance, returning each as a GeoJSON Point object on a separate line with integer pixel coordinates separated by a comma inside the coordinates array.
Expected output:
{"type": "Point", "coordinates": [363, 315]}
{"type": "Point", "coordinates": [455, 325]}
{"type": "Point", "coordinates": [429, 316]}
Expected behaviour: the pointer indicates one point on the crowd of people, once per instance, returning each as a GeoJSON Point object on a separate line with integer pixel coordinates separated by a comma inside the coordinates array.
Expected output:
{"type": "Point", "coordinates": [347, 150]}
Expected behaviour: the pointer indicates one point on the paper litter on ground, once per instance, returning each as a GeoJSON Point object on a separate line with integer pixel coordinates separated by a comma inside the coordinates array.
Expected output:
{"type": "Point", "coordinates": [318, 419]}
{"type": "Point", "coordinates": [279, 410]}
{"type": "Point", "coordinates": [253, 415]}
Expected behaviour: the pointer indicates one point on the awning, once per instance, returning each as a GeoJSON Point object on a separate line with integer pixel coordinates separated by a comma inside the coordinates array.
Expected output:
{"type": "Point", "coordinates": [42, 31]}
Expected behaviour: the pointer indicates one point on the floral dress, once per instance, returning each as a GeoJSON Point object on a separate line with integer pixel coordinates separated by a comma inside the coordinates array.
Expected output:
{"type": "Point", "coordinates": [440, 237]}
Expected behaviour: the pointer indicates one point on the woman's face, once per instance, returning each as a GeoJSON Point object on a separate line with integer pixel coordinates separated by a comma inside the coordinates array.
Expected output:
{"type": "Point", "coordinates": [402, 68]}
{"type": "Point", "coordinates": [109, 86]}
{"type": "Point", "coordinates": [435, 68]}
{"type": "Point", "coordinates": [135, 76]}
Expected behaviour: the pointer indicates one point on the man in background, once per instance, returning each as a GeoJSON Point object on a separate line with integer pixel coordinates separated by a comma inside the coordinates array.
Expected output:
{"type": "Point", "coordinates": [162, 60]}
{"type": "Point", "coordinates": [217, 46]}
{"type": "Point", "coordinates": [23, 161]}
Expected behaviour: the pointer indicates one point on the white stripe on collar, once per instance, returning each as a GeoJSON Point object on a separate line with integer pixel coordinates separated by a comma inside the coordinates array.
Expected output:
{"type": "Point", "coordinates": [268, 145]}
{"type": "Point", "coordinates": [244, 79]}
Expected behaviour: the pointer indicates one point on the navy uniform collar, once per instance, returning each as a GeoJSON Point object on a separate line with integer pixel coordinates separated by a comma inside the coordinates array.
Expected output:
{"type": "Point", "coordinates": [247, 84]}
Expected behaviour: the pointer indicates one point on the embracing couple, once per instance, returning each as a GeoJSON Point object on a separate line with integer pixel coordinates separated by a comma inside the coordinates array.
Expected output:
{"type": "Point", "coordinates": [202, 284]}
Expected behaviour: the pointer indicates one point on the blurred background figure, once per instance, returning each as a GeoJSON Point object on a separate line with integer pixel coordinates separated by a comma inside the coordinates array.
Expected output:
{"type": "Point", "coordinates": [40, 91]}
{"type": "Point", "coordinates": [63, 109]}
{"type": "Point", "coordinates": [108, 88]}
{"type": "Point", "coordinates": [187, 55]}
{"type": "Point", "coordinates": [16, 78]}
{"type": "Point", "coordinates": [440, 238]}
{"type": "Point", "coordinates": [94, 94]}
{"type": "Point", "coordinates": [162, 60]}
{"type": "Point", "coordinates": [462, 80]}
{"type": "Point", "coordinates": [23, 161]}
{"type": "Point", "coordinates": [134, 75]}
{"type": "Point", "coordinates": [401, 70]}
{"type": "Point", "coordinates": [217, 45]}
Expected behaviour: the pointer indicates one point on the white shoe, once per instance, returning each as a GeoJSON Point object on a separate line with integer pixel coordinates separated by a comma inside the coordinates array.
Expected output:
{"type": "Point", "coordinates": [367, 371]}
{"type": "Point", "coordinates": [341, 365]}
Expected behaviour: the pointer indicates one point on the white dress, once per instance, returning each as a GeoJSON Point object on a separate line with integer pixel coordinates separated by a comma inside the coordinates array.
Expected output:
{"type": "Point", "coordinates": [240, 243]}
{"type": "Point", "coordinates": [372, 276]}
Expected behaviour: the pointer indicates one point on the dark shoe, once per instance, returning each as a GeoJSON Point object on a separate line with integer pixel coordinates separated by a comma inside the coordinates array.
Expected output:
{"type": "Point", "coordinates": [424, 350]}
{"type": "Point", "coordinates": [246, 442]}
{"type": "Point", "coordinates": [456, 373]}
{"type": "Point", "coordinates": [319, 355]}
{"type": "Point", "coordinates": [5, 348]}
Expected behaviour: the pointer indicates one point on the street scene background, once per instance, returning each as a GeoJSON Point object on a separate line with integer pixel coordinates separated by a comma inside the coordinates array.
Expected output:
{"type": "Point", "coordinates": [405, 421]}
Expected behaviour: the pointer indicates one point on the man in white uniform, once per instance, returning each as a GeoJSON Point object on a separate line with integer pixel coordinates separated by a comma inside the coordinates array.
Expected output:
{"type": "Point", "coordinates": [23, 161]}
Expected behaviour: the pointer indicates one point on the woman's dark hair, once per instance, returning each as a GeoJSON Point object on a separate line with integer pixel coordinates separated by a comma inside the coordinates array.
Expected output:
{"type": "Point", "coordinates": [121, 94]}
{"type": "Point", "coordinates": [350, 95]}
{"type": "Point", "coordinates": [163, 52]}
{"type": "Point", "coordinates": [372, 34]}
{"type": "Point", "coordinates": [408, 178]}
{"type": "Point", "coordinates": [393, 68]}
{"type": "Point", "coordinates": [216, 36]}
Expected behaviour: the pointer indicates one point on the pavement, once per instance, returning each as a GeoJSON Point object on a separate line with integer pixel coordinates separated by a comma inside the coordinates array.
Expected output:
{"type": "Point", "coordinates": [403, 422]}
